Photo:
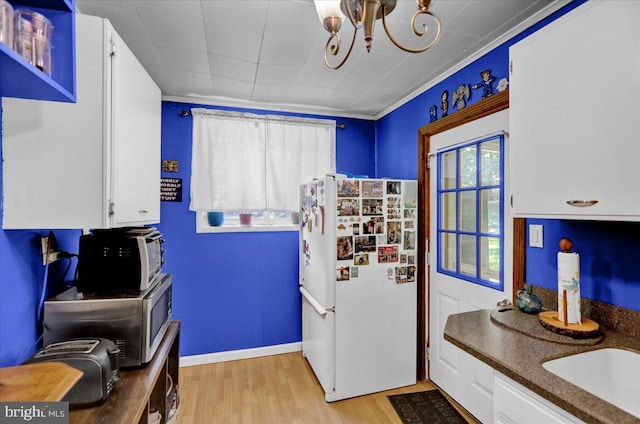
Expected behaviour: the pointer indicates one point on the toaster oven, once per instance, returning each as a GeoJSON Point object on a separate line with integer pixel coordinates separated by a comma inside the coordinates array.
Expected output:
{"type": "Point", "coordinates": [119, 260]}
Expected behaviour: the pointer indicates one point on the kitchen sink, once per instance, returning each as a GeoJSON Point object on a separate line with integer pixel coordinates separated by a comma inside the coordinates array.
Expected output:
{"type": "Point", "coordinates": [611, 374]}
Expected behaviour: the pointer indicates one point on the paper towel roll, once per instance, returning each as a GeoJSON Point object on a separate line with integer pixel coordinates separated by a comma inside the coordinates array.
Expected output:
{"type": "Point", "coordinates": [569, 281]}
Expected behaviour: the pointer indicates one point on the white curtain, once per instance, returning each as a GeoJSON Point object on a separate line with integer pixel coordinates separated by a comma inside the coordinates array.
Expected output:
{"type": "Point", "coordinates": [242, 161]}
{"type": "Point", "coordinates": [227, 161]}
{"type": "Point", "coordinates": [298, 150]}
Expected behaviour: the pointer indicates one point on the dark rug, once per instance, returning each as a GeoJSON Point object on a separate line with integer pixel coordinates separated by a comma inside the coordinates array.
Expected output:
{"type": "Point", "coordinates": [425, 407]}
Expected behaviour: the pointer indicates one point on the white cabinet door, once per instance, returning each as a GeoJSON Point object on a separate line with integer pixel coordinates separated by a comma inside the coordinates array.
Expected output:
{"type": "Point", "coordinates": [575, 102]}
{"type": "Point", "coordinates": [69, 165]}
{"type": "Point", "coordinates": [136, 109]}
{"type": "Point", "coordinates": [514, 404]}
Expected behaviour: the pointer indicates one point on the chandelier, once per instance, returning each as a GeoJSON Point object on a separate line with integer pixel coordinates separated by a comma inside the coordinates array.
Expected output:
{"type": "Point", "coordinates": [363, 14]}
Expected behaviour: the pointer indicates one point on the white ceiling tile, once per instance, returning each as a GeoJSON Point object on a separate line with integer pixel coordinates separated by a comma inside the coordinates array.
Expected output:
{"type": "Point", "coordinates": [239, 70]}
{"type": "Point", "coordinates": [185, 59]}
{"type": "Point", "coordinates": [235, 43]}
{"type": "Point", "coordinates": [287, 19]}
{"type": "Point", "coordinates": [367, 69]}
{"type": "Point", "coordinates": [230, 88]}
{"type": "Point", "coordinates": [191, 83]}
{"type": "Point", "coordinates": [188, 12]}
{"type": "Point", "coordinates": [449, 10]}
{"type": "Point", "coordinates": [170, 31]}
{"type": "Point", "coordinates": [278, 74]}
{"type": "Point", "coordinates": [98, 7]}
{"type": "Point", "coordinates": [298, 95]}
{"type": "Point", "coordinates": [481, 17]}
{"type": "Point", "coordinates": [320, 76]}
{"type": "Point", "coordinates": [268, 92]}
{"type": "Point", "coordinates": [238, 14]}
{"type": "Point", "coordinates": [285, 51]}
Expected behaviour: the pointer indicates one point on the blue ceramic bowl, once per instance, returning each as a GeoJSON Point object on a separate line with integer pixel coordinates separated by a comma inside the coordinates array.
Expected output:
{"type": "Point", "coordinates": [215, 218]}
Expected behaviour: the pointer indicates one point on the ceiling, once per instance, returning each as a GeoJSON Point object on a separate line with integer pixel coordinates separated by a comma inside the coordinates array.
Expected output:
{"type": "Point", "coordinates": [269, 54]}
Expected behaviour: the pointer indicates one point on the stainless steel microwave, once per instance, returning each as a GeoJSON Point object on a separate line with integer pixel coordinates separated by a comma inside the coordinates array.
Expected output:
{"type": "Point", "coordinates": [136, 323]}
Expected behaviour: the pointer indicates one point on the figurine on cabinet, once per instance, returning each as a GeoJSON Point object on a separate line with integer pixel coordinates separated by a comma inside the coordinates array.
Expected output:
{"type": "Point", "coordinates": [502, 85]}
{"type": "Point", "coordinates": [444, 102]}
{"type": "Point", "coordinates": [461, 97]}
{"type": "Point", "coordinates": [433, 113]}
{"type": "Point", "coordinates": [487, 80]}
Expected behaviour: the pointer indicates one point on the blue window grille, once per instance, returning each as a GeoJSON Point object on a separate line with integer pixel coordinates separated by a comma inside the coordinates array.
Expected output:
{"type": "Point", "coordinates": [470, 211]}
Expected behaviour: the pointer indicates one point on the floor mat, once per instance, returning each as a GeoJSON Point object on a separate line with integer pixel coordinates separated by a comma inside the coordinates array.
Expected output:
{"type": "Point", "coordinates": [425, 407]}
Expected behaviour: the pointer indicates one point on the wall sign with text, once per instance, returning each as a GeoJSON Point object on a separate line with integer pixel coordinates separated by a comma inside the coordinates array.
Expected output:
{"type": "Point", "coordinates": [171, 189]}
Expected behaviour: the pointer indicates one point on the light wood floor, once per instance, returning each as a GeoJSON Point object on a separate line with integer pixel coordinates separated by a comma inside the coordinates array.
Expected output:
{"type": "Point", "coordinates": [278, 389]}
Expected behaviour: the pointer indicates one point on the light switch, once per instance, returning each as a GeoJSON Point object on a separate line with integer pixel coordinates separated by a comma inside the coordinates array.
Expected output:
{"type": "Point", "coordinates": [535, 236]}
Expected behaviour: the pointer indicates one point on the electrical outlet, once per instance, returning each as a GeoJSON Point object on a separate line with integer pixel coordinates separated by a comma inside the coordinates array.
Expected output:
{"type": "Point", "coordinates": [49, 249]}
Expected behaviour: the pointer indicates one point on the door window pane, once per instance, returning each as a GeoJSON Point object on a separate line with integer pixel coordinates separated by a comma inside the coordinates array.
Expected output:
{"type": "Point", "coordinates": [490, 163]}
{"type": "Point", "coordinates": [448, 211]}
{"type": "Point", "coordinates": [490, 211]}
{"type": "Point", "coordinates": [468, 255]}
{"type": "Point", "coordinates": [467, 211]}
{"type": "Point", "coordinates": [448, 248]}
{"type": "Point", "coordinates": [448, 171]}
{"type": "Point", "coordinates": [490, 258]}
{"type": "Point", "coordinates": [468, 166]}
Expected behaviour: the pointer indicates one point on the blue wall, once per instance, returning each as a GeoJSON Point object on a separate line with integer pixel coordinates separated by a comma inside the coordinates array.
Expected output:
{"type": "Point", "coordinates": [238, 290]}
{"type": "Point", "coordinates": [609, 259]}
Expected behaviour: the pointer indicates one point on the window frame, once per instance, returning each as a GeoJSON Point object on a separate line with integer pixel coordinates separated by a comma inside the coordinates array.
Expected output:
{"type": "Point", "coordinates": [202, 226]}
{"type": "Point", "coordinates": [478, 234]}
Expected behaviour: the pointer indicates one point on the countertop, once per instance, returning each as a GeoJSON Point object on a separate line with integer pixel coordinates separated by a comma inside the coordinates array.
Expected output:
{"type": "Point", "coordinates": [40, 382]}
{"type": "Point", "coordinates": [520, 357]}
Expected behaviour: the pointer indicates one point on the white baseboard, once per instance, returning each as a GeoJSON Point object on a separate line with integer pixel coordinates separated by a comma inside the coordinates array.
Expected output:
{"type": "Point", "coordinates": [233, 355]}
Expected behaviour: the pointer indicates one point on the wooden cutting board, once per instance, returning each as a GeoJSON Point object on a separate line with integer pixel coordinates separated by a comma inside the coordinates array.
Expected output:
{"type": "Point", "coordinates": [588, 328]}
{"type": "Point", "coordinates": [40, 382]}
{"type": "Point", "coordinates": [529, 324]}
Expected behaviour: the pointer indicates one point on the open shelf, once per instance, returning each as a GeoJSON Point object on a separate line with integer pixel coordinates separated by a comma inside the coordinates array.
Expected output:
{"type": "Point", "coordinates": [19, 78]}
{"type": "Point", "coordinates": [140, 391]}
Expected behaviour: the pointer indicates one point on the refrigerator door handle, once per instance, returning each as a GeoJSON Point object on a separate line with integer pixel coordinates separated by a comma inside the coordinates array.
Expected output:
{"type": "Point", "coordinates": [321, 310]}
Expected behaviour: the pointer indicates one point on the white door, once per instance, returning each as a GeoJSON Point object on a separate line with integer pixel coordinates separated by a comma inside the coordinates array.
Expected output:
{"type": "Point", "coordinates": [471, 248]}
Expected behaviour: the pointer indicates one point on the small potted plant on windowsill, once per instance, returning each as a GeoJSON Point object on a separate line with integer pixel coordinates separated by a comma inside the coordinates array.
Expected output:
{"type": "Point", "coordinates": [215, 219]}
{"type": "Point", "coordinates": [245, 218]}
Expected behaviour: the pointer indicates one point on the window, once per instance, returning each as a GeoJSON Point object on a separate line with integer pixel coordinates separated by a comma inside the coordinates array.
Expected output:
{"type": "Point", "coordinates": [470, 211]}
{"type": "Point", "coordinates": [248, 163]}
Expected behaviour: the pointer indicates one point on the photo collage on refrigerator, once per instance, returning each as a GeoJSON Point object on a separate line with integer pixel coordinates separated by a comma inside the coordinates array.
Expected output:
{"type": "Point", "coordinates": [376, 224]}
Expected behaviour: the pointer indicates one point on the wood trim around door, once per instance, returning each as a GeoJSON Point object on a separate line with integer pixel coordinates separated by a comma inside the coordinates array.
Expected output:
{"type": "Point", "coordinates": [493, 104]}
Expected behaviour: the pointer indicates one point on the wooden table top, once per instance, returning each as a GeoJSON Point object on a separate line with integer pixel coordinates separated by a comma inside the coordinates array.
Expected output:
{"type": "Point", "coordinates": [40, 382]}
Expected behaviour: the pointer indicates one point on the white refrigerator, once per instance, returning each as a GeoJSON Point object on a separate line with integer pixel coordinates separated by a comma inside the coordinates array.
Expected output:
{"type": "Point", "coordinates": [358, 279]}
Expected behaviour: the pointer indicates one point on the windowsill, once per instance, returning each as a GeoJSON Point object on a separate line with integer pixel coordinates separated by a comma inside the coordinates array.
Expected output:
{"type": "Point", "coordinates": [202, 226]}
{"type": "Point", "coordinates": [245, 229]}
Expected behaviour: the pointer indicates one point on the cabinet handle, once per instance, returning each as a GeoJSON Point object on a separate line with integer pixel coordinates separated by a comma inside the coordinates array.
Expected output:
{"type": "Point", "coordinates": [143, 211]}
{"type": "Point", "coordinates": [581, 203]}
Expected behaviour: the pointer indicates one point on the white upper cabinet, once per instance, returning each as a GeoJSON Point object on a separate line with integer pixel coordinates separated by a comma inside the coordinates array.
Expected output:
{"type": "Point", "coordinates": [575, 116]}
{"type": "Point", "coordinates": [92, 164]}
